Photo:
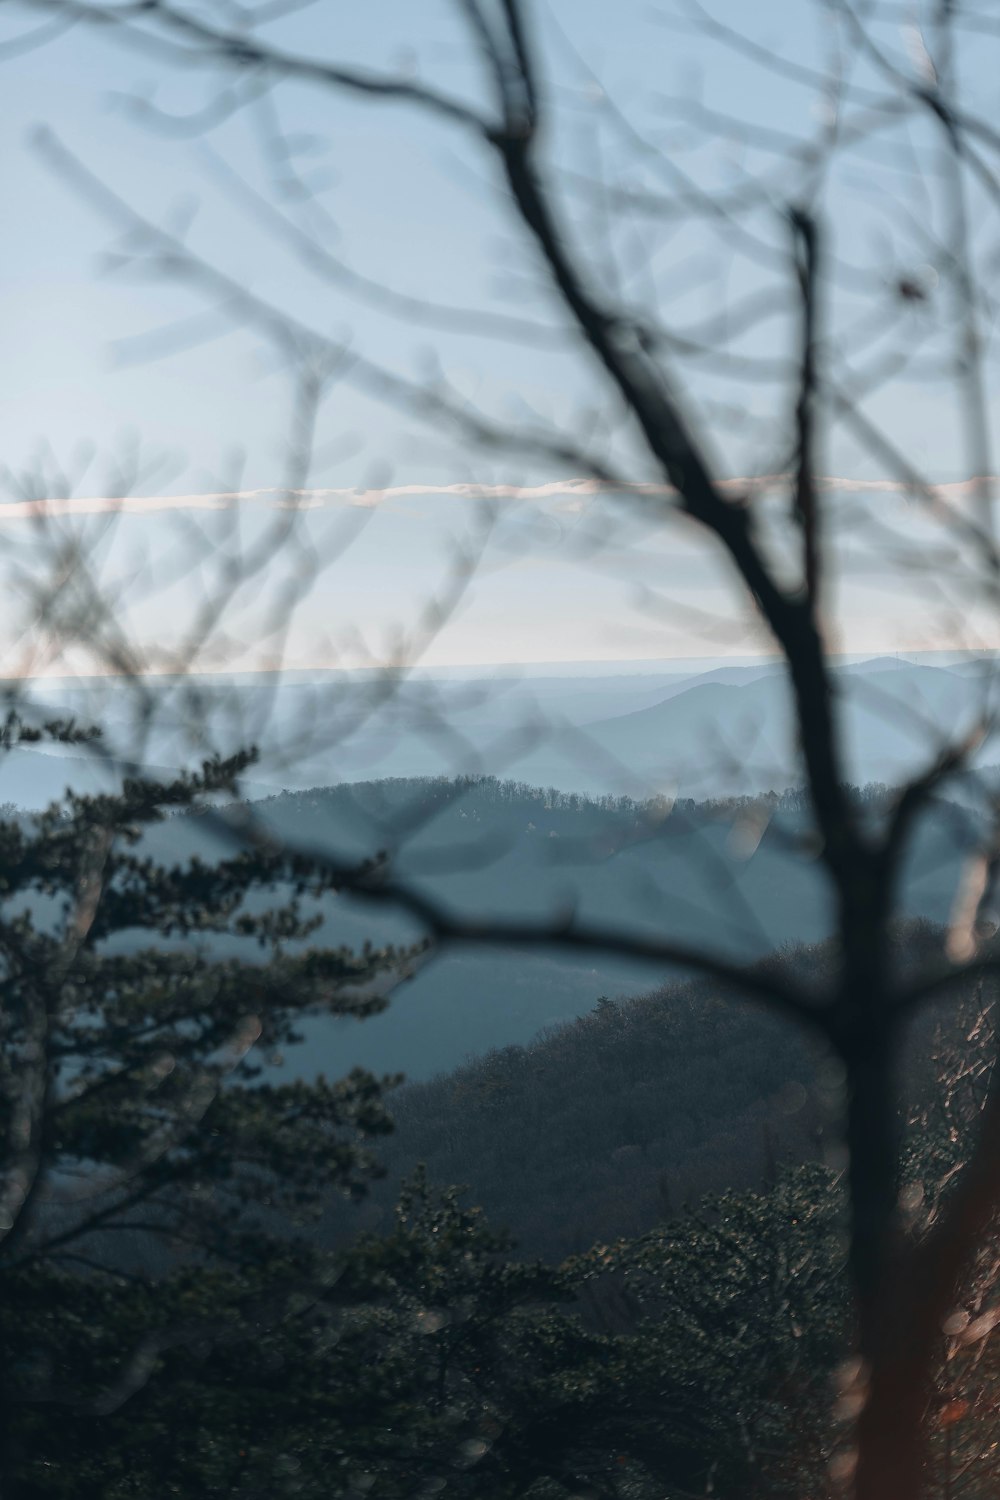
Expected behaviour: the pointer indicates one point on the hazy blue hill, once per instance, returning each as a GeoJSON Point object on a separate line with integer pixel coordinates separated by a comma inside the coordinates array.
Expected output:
{"type": "Point", "coordinates": [740, 734]}
{"type": "Point", "coordinates": [708, 735]}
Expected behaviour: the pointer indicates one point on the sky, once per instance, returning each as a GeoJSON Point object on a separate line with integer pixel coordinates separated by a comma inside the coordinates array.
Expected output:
{"type": "Point", "coordinates": [118, 379]}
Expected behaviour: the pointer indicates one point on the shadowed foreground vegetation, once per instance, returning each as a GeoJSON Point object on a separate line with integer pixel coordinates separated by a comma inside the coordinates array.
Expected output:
{"type": "Point", "coordinates": [185, 1310]}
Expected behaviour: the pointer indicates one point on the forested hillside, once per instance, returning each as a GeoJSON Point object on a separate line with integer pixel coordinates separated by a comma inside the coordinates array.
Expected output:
{"type": "Point", "coordinates": [739, 874]}
{"type": "Point", "coordinates": [604, 1126]}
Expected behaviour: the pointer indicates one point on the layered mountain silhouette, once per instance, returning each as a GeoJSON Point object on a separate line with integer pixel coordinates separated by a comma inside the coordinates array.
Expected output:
{"type": "Point", "coordinates": [726, 730]}
{"type": "Point", "coordinates": [737, 877]}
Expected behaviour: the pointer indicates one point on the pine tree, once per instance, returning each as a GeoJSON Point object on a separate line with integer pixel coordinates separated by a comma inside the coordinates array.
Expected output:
{"type": "Point", "coordinates": [140, 1141]}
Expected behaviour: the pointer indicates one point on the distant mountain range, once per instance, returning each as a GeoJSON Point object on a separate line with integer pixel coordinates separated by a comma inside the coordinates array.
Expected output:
{"type": "Point", "coordinates": [725, 729]}
{"type": "Point", "coordinates": [733, 729]}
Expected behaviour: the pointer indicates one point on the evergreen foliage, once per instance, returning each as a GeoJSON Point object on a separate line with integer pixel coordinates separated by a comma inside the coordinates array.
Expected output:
{"type": "Point", "coordinates": [426, 1361]}
{"type": "Point", "coordinates": [138, 1131]}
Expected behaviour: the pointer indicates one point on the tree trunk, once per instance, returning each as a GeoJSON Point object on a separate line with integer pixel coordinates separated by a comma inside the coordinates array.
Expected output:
{"type": "Point", "coordinates": [893, 1347]}
{"type": "Point", "coordinates": [898, 1289]}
